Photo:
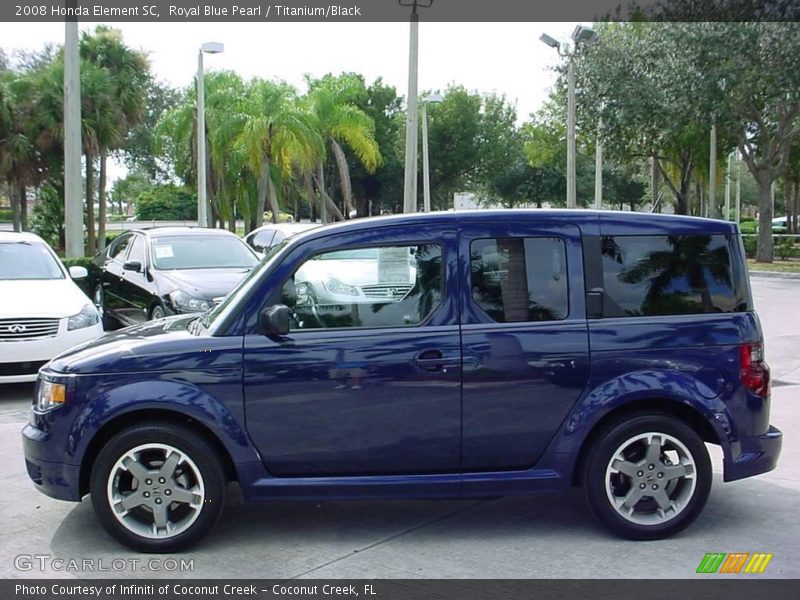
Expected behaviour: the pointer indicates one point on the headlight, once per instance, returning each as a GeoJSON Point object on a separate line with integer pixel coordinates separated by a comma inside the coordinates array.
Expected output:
{"type": "Point", "coordinates": [186, 303]}
{"type": "Point", "coordinates": [334, 286]}
{"type": "Point", "coordinates": [50, 395]}
{"type": "Point", "coordinates": [86, 318]}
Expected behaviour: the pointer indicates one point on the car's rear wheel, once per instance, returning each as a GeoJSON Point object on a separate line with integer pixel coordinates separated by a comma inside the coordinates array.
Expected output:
{"type": "Point", "coordinates": [158, 487]}
{"type": "Point", "coordinates": [647, 476]}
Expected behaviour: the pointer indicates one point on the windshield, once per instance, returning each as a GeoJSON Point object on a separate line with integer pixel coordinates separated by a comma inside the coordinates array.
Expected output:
{"type": "Point", "coordinates": [221, 309]}
{"type": "Point", "coordinates": [28, 260]}
{"type": "Point", "coordinates": [201, 252]}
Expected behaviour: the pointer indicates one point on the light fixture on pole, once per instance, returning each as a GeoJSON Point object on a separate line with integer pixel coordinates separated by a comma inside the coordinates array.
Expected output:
{"type": "Point", "coordinates": [581, 35]}
{"type": "Point", "coordinates": [410, 180]}
{"type": "Point", "coordinates": [203, 214]}
{"type": "Point", "coordinates": [426, 171]}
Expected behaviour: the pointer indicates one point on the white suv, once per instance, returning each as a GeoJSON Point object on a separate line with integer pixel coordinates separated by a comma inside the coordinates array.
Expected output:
{"type": "Point", "coordinates": [42, 311]}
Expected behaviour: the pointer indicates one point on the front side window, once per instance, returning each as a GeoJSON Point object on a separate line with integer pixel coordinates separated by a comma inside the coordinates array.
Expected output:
{"type": "Point", "coordinates": [137, 250]}
{"type": "Point", "coordinates": [119, 247]}
{"type": "Point", "coordinates": [669, 275]}
{"type": "Point", "coordinates": [520, 279]}
{"type": "Point", "coordinates": [394, 286]}
{"type": "Point", "coordinates": [28, 260]}
{"type": "Point", "coordinates": [201, 252]}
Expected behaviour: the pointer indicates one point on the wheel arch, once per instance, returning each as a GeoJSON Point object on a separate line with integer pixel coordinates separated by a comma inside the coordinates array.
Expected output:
{"type": "Point", "coordinates": [655, 405]}
{"type": "Point", "coordinates": [137, 417]}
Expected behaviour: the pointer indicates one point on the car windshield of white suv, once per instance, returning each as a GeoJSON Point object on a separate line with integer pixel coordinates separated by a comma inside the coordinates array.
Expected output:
{"type": "Point", "coordinates": [201, 252]}
{"type": "Point", "coordinates": [28, 260]}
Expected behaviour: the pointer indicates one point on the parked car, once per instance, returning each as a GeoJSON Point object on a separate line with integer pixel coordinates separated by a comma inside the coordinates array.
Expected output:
{"type": "Point", "coordinates": [477, 382]}
{"type": "Point", "coordinates": [268, 236]}
{"type": "Point", "coordinates": [151, 273]}
{"type": "Point", "coordinates": [42, 311]}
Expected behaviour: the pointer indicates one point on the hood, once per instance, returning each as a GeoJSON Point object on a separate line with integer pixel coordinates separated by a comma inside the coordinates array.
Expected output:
{"type": "Point", "coordinates": [204, 284]}
{"type": "Point", "coordinates": [160, 345]}
{"type": "Point", "coordinates": [54, 298]}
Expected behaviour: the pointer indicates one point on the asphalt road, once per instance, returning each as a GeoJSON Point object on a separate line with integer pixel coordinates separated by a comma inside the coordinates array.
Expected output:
{"type": "Point", "coordinates": [534, 537]}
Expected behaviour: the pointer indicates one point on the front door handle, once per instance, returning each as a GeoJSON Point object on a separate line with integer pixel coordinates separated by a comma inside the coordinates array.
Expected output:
{"type": "Point", "coordinates": [435, 361]}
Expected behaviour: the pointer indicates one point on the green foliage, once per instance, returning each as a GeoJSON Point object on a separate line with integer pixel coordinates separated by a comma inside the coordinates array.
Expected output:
{"type": "Point", "coordinates": [785, 248]}
{"type": "Point", "coordinates": [750, 245]}
{"type": "Point", "coordinates": [48, 216]}
{"type": "Point", "coordinates": [5, 215]}
{"type": "Point", "coordinates": [166, 203]}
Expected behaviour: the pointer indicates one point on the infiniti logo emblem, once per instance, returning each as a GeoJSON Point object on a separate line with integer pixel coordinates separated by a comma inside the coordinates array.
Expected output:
{"type": "Point", "coordinates": [16, 328]}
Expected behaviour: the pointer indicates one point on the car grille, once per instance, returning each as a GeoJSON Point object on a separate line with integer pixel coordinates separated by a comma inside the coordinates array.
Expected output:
{"type": "Point", "coordinates": [21, 368]}
{"type": "Point", "coordinates": [27, 329]}
{"type": "Point", "coordinates": [392, 291]}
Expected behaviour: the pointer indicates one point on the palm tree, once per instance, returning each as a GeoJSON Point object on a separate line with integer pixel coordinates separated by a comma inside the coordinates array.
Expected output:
{"type": "Point", "coordinates": [276, 135]}
{"type": "Point", "coordinates": [129, 77]}
{"type": "Point", "coordinates": [339, 122]}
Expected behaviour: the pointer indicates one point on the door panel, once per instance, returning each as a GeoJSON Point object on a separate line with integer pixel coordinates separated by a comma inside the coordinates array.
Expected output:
{"type": "Point", "coordinates": [335, 400]}
{"type": "Point", "coordinates": [521, 377]}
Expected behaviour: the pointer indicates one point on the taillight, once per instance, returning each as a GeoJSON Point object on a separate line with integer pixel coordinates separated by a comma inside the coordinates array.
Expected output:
{"type": "Point", "coordinates": [754, 370]}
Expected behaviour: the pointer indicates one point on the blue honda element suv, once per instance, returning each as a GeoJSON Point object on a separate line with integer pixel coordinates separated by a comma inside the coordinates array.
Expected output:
{"type": "Point", "coordinates": [449, 355]}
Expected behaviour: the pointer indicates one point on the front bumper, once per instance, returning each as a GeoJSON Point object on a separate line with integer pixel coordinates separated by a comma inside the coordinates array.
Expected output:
{"type": "Point", "coordinates": [753, 455]}
{"type": "Point", "coordinates": [54, 479]}
{"type": "Point", "coordinates": [23, 358]}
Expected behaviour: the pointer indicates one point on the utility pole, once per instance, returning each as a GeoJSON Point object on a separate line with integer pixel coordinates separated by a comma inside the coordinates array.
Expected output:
{"type": "Point", "coordinates": [738, 188]}
{"type": "Point", "coordinates": [412, 123]}
{"type": "Point", "coordinates": [712, 174]}
{"type": "Point", "coordinates": [73, 185]}
{"type": "Point", "coordinates": [728, 189]}
{"type": "Point", "coordinates": [598, 168]}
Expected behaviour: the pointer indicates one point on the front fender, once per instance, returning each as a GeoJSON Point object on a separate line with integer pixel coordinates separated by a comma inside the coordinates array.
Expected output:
{"type": "Point", "coordinates": [221, 413]}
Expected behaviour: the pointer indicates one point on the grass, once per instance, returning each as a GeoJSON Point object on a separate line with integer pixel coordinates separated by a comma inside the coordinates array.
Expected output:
{"type": "Point", "coordinates": [777, 266]}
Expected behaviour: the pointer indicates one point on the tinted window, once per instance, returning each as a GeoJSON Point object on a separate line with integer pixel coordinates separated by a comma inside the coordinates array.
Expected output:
{"type": "Point", "coordinates": [393, 286]}
{"type": "Point", "coordinates": [201, 252]}
{"type": "Point", "coordinates": [119, 247]}
{"type": "Point", "coordinates": [27, 260]}
{"type": "Point", "coordinates": [669, 275]}
{"type": "Point", "coordinates": [520, 279]}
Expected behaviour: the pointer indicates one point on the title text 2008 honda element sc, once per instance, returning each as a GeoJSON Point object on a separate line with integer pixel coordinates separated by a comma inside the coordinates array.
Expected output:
{"type": "Point", "coordinates": [442, 355]}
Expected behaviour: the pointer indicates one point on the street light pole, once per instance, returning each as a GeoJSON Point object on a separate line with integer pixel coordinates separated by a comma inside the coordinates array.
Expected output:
{"type": "Point", "coordinates": [712, 175]}
{"type": "Point", "coordinates": [571, 185]}
{"type": "Point", "coordinates": [412, 122]}
{"type": "Point", "coordinates": [203, 214]}
{"type": "Point", "coordinates": [587, 36]}
{"type": "Point", "coordinates": [73, 185]}
{"type": "Point", "coordinates": [426, 172]}
{"type": "Point", "coordinates": [728, 188]}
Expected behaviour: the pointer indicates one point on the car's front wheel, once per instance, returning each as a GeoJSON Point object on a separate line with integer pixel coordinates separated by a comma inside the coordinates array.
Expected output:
{"type": "Point", "coordinates": [158, 487]}
{"type": "Point", "coordinates": [647, 476]}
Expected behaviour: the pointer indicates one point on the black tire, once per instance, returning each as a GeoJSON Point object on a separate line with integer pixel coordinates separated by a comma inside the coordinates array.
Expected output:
{"type": "Point", "coordinates": [606, 487]}
{"type": "Point", "coordinates": [157, 311]}
{"type": "Point", "coordinates": [99, 300]}
{"type": "Point", "coordinates": [201, 457]}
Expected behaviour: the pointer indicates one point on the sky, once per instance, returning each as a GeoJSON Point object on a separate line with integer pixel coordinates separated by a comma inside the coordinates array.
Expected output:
{"type": "Point", "coordinates": [506, 58]}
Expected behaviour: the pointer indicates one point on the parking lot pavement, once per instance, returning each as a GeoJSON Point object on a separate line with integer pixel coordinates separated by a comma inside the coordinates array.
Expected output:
{"type": "Point", "coordinates": [542, 536]}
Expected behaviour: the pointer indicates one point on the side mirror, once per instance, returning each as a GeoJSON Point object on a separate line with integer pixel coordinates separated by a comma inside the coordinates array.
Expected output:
{"type": "Point", "coordinates": [78, 272]}
{"type": "Point", "coordinates": [273, 321]}
{"type": "Point", "coordinates": [132, 265]}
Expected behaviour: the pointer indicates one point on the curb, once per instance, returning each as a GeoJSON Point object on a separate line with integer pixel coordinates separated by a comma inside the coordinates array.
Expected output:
{"type": "Point", "coordinates": [775, 275]}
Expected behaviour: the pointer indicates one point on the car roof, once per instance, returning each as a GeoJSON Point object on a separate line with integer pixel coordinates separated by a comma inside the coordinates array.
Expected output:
{"type": "Point", "coordinates": [155, 232]}
{"type": "Point", "coordinates": [286, 227]}
{"type": "Point", "coordinates": [23, 236]}
{"type": "Point", "coordinates": [600, 222]}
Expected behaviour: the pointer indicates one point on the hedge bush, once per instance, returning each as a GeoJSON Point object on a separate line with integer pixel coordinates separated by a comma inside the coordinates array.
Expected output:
{"type": "Point", "coordinates": [166, 203]}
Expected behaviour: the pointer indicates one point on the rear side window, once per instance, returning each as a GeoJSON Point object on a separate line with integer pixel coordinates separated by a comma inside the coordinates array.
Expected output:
{"type": "Point", "coordinates": [520, 279]}
{"type": "Point", "coordinates": [647, 275]}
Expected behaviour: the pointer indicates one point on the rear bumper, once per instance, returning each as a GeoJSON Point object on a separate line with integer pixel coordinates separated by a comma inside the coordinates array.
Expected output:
{"type": "Point", "coordinates": [753, 455]}
{"type": "Point", "coordinates": [57, 480]}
